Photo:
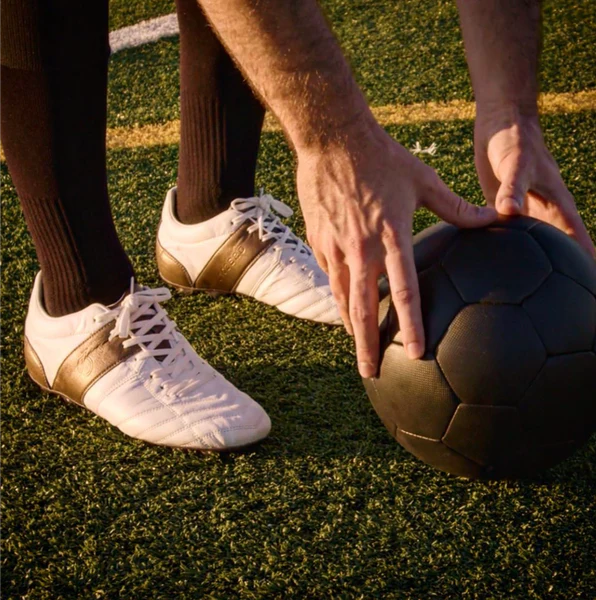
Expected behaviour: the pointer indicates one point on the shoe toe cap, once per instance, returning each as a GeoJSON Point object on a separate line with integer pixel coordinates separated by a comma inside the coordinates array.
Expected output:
{"type": "Point", "coordinates": [317, 304]}
{"type": "Point", "coordinates": [230, 434]}
{"type": "Point", "coordinates": [217, 417]}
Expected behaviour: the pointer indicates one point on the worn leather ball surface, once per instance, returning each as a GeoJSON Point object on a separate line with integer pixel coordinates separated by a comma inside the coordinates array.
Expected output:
{"type": "Point", "coordinates": [507, 386]}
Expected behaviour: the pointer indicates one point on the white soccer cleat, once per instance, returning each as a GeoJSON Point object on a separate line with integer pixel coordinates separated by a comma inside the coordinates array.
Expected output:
{"type": "Point", "coordinates": [245, 250]}
{"type": "Point", "coordinates": [129, 364]}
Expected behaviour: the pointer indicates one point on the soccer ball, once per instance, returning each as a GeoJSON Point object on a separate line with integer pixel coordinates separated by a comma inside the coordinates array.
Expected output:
{"type": "Point", "coordinates": [507, 385]}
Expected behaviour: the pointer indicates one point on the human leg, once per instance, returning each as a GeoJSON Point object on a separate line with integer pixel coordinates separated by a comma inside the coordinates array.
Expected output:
{"type": "Point", "coordinates": [221, 122]}
{"type": "Point", "coordinates": [54, 82]}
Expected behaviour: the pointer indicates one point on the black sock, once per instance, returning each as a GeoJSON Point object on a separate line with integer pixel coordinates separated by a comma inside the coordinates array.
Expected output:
{"type": "Point", "coordinates": [221, 121]}
{"type": "Point", "coordinates": [54, 88]}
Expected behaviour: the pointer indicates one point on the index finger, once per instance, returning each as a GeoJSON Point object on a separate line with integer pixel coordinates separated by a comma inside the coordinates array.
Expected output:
{"type": "Point", "coordinates": [364, 311]}
{"type": "Point", "coordinates": [405, 294]}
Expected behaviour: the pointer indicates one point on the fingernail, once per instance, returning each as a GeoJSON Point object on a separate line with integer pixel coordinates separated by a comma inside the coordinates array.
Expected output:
{"type": "Point", "coordinates": [366, 369]}
{"type": "Point", "coordinates": [414, 350]}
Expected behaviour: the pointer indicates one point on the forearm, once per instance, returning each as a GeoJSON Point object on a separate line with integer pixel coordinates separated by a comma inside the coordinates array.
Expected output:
{"type": "Point", "coordinates": [502, 40]}
{"type": "Point", "coordinates": [291, 57]}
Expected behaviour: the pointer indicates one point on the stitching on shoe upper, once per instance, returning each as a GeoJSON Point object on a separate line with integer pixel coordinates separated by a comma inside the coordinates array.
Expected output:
{"type": "Point", "coordinates": [303, 292]}
{"type": "Point", "coordinates": [146, 412]}
{"type": "Point", "coordinates": [211, 434]}
{"type": "Point", "coordinates": [263, 276]}
{"type": "Point", "coordinates": [132, 377]}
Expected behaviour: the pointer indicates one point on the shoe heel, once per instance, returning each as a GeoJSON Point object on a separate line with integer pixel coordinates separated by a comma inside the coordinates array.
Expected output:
{"type": "Point", "coordinates": [34, 366]}
{"type": "Point", "coordinates": [171, 270]}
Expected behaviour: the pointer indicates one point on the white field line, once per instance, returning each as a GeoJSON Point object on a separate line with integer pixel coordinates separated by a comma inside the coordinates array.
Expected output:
{"type": "Point", "coordinates": [144, 32]}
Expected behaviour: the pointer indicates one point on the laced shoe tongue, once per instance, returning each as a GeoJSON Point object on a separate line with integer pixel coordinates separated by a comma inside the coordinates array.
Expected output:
{"type": "Point", "coordinates": [269, 210]}
{"type": "Point", "coordinates": [279, 228]}
{"type": "Point", "coordinates": [156, 329]}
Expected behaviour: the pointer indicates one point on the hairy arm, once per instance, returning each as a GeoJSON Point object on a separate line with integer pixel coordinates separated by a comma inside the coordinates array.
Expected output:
{"type": "Point", "coordinates": [292, 58]}
{"type": "Point", "coordinates": [517, 173]}
{"type": "Point", "coordinates": [502, 39]}
{"type": "Point", "coordinates": [357, 187]}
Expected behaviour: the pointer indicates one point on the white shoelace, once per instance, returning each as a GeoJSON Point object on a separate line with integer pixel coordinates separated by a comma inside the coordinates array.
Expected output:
{"type": "Point", "coordinates": [141, 321]}
{"type": "Point", "coordinates": [260, 210]}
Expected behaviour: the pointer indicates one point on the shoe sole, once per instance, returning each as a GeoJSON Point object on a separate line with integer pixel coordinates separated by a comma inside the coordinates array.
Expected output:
{"type": "Point", "coordinates": [186, 448]}
{"type": "Point", "coordinates": [189, 291]}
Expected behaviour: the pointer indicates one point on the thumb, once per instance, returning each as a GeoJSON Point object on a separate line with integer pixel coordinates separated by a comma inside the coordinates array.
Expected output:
{"type": "Point", "coordinates": [455, 210]}
{"type": "Point", "coordinates": [511, 195]}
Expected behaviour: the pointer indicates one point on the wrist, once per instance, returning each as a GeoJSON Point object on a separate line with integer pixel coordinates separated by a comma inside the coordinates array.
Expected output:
{"type": "Point", "coordinates": [344, 132]}
{"type": "Point", "coordinates": [522, 119]}
{"type": "Point", "coordinates": [507, 111]}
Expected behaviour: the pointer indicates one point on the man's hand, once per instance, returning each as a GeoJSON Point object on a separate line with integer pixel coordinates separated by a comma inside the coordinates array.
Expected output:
{"type": "Point", "coordinates": [518, 175]}
{"type": "Point", "coordinates": [358, 201]}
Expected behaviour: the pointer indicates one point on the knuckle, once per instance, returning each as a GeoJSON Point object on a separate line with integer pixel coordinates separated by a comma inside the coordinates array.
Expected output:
{"type": "Point", "coordinates": [359, 248]}
{"type": "Point", "coordinates": [365, 350]}
{"type": "Point", "coordinates": [390, 238]}
{"type": "Point", "coordinates": [366, 355]}
{"type": "Point", "coordinates": [360, 313]}
{"type": "Point", "coordinates": [462, 208]}
{"type": "Point", "coordinates": [340, 297]}
{"type": "Point", "coordinates": [404, 296]}
{"type": "Point", "coordinates": [432, 183]}
{"type": "Point", "coordinates": [342, 302]}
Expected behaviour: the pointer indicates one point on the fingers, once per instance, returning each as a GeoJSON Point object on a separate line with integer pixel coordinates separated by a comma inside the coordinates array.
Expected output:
{"type": "Point", "coordinates": [562, 213]}
{"type": "Point", "coordinates": [321, 260]}
{"type": "Point", "coordinates": [453, 209]}
{"type": "Point", "coordinates": [339, 282]}
{"type": "Point", "coordinates": [512, 192]}
{"type": "Point", "coordinates": [577, 230]}
{"type": "Point", "coordinates": [405, 294]}
{"type": "Point", "coordinates": [363, 315]}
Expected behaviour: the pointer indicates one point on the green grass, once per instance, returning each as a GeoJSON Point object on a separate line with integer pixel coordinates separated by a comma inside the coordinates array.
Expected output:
{"type": "Point", "coordinates": [124, 12]}
{"type": "Point", "coordinates": [401, 52]}
{"type": "Point", "coordinates": [329, 506]}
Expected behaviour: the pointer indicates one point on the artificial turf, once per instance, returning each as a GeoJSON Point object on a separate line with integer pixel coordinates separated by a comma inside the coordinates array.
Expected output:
{"type": "Point", "coordinates": [329, 506]}
{"type": "Point", "coordinates": [401, 52]}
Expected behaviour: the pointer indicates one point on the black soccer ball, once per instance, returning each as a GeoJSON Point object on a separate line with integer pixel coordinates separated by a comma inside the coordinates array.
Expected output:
{"type": "Point", "coordinates": [507, 385]}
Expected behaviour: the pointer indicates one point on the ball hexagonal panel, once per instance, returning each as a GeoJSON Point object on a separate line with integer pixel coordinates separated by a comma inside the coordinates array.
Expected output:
{"type": "Point", "coordinates": [440, 302]}
{"type": "Point", "coordinates": [489, 435]}
{"type": "Point", "coordinates": [490, 354]}
{"type": "Point", "coordinates": [411, 395]}
{"type": "Point", "coordinates": [496, 265]}
{"type": "Point", "coordinates": [435, 453]}
{"type": "Point", "coordinates": [566, 256]}
{"type": "Point", "coordinates": [431, 244]}
{"type": "Point", "coordinates": [564, 314]}
{"type": "Point", "coordinates": [560, 405]}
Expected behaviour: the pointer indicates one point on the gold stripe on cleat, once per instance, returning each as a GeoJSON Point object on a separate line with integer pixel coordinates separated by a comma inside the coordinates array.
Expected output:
{"type": "Point", "coordinates": [225, 268]}
{"type": "Point", "coordinates": [89, 361]}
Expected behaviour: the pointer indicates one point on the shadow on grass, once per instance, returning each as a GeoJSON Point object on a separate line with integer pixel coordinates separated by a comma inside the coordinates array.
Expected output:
{"type": "Point", "coordinates": [317, 412]}
{"type": "Point", "coordinates": [324, 412]}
